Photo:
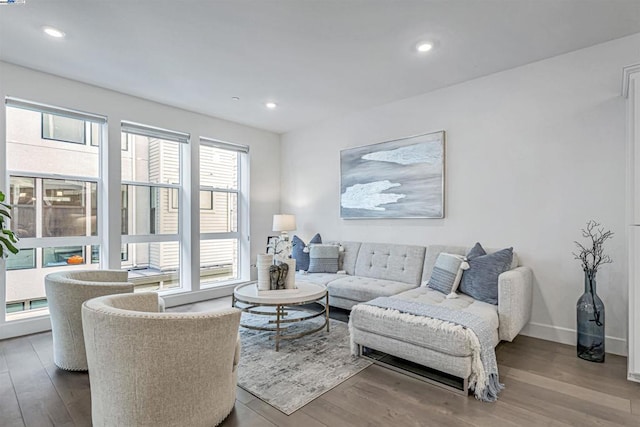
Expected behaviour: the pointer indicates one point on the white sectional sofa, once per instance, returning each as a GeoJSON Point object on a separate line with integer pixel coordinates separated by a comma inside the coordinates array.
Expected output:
{"type": "Point", "coordinates": [370, 270]}
{"type": "Point", "coordinates": [373, 270]}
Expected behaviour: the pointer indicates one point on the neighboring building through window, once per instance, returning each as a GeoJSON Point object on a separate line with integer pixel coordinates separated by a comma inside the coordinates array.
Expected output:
{"type": "Point", "coordinates": [70, 129]}
{"type": "Point", "coordinates": [151, 176]}
{"type": "Point", "coordinates": [53, 161]}
{"type": "Point", "coordinates": [220, 185]}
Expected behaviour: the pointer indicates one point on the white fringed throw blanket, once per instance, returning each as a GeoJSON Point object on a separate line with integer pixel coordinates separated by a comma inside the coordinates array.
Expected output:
{"type": "Point", "coordinates": [484, 379]}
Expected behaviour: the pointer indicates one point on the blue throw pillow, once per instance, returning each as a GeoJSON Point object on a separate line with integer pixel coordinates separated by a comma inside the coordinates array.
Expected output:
{"type": "Point", "coordinates": [475, 251]}
{"type": "Point", "coordinates": [480, 281]}
{"type": "Point", "coordinates": [298, 253]}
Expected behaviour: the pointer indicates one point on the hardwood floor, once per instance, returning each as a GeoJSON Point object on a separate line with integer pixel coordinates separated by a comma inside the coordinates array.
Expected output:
{"type": "Point", "coordinates": [546, 385]}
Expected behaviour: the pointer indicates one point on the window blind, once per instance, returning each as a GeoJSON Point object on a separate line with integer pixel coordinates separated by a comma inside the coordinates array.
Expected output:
{"type": "Point", "coordinates": [43, 108]}
{"type": "Point", "coordinates": [224, 145]}
{"type": "Point", "coordinates": [153, 132]}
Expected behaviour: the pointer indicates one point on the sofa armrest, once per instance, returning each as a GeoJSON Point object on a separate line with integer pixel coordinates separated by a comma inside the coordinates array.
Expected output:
{"type": "Point", "coordinates": [515, 294]}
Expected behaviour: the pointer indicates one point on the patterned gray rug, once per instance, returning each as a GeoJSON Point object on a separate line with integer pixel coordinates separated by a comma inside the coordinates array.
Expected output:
{"type": "Point", "coordinates": [302, 370]}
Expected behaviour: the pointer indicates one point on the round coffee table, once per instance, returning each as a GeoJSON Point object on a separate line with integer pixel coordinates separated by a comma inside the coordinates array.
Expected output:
{"type": "Point", "coordinates": [284, 301]}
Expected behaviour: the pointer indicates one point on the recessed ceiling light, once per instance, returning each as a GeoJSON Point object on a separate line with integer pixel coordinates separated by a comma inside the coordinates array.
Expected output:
{"type": "Point", "coordinates": [53, 32]}
{"type": "Point", "coordinates": [235, 98]}
{"type": "Point", "coordinates": [424, 47]}
{"type": "Point", "coordinates": [271, 105]}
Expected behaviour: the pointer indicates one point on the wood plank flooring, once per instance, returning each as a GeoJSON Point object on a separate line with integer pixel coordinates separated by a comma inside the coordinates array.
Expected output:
{"type": "Point", "coordinates": [546, 385]}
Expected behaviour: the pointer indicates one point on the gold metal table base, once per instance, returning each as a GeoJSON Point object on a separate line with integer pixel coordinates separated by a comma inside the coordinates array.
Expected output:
{"type": "Point", "coordinates": [281, 313]}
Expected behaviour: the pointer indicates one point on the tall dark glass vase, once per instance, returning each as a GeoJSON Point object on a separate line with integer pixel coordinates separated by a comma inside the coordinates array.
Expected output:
{"type": "Point", "coordinates": [590, 311]}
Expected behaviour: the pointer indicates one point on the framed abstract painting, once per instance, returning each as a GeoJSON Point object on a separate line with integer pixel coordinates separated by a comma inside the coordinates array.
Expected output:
{"type": "Point", "coordinates": [403, 178]}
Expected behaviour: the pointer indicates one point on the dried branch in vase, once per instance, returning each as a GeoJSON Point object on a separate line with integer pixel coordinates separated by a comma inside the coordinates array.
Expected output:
{"type": "Point", "coordinates": [592, 255]}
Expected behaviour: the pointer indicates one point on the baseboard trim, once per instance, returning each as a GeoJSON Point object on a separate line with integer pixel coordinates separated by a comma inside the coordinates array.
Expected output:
{"type": "Point", "coordinates": [17, 328]}
{"type": "Point", "coordinates": [562, 335]}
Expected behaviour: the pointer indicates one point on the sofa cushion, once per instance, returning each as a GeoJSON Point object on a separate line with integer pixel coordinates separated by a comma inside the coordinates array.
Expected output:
{"type": "Point", "coordinates": [317, 278]}
{"type": "Point", "coordinates": [360, 288]}
{"type": "Point", "coordinates": [401, 263]}
{"type": "Point", "coordinates": [323, 258]}
{"type": "Point", "coordinates": [298, 253]}
{"type": "Point", "coordinates": [447, 272]}
{"type": "Point", "coordinates": [480, 281]}
{"type": "Point", "coordinates": [417, 334]}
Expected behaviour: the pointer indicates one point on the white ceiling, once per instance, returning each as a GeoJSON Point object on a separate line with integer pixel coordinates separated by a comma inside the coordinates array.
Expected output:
{"type": "Point", "coordinates": [316, 59]}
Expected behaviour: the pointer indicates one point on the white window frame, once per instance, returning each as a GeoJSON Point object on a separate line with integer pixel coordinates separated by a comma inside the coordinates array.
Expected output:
{"type": "Point", "coordinates": [241, 192]}
{"type": "Point", "coordinates": [183, 141]}
{"type": "Point", "coordinates": [37, 320]}
{"type": "Point", "coordinates": [46, 242]}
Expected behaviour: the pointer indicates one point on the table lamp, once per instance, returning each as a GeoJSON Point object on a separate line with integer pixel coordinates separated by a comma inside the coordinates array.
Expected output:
{"type": "Point", "coordinates": [284, 223]}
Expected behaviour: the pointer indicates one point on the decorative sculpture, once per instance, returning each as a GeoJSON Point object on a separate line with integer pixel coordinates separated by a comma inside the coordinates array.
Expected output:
{"type": "Point", "coordinates": [278, 276]}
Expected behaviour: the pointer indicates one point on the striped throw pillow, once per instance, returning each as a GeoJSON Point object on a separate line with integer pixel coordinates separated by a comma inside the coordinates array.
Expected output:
{"type": "Point", "coordinates": [323, 258]}
{"type": "Point", "coordinates": [447, 273]}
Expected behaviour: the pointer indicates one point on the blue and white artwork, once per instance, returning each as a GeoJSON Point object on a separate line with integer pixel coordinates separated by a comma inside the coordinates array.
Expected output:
{"type": "Point", "coordinates": [395, 179]}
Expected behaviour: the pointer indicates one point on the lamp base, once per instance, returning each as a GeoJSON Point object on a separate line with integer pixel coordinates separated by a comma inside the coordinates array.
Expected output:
{"type": "Point", "coordinates": [283, 246]}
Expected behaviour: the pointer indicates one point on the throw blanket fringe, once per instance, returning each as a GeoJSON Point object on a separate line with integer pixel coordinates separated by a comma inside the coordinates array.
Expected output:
{"type": "Point", "coordinates": [485, 385]}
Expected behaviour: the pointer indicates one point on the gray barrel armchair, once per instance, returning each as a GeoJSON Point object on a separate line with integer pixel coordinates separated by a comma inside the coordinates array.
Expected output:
{"type": "Point", "coordinates": [159, 369]}
{"type": "Point", "coordinates": [66, 291]}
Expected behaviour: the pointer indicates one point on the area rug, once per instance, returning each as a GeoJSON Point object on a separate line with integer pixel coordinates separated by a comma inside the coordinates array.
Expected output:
{"type": "Point", "coordinates": [302, 370]}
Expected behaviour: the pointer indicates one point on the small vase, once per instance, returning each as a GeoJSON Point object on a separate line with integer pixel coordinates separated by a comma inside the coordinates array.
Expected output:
{"type": "Point", "coordinates": [590, 316]}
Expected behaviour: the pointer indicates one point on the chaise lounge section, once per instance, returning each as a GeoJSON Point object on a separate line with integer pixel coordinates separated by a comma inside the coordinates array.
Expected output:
{"type": "Point", "coordinates": [397, 271]}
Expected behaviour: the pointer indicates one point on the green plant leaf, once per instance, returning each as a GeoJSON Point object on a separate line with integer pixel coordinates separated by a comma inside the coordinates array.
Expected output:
{"type": "Point", "coordinates": [8, 245]}
{"type": "Point", "coordinates": [7, 237]}
{"type": "Point", "coordinates": [11, 235]}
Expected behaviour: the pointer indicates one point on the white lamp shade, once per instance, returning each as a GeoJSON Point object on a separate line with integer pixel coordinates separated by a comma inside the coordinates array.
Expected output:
{"type": "Point", "coordinates": [284, 222]}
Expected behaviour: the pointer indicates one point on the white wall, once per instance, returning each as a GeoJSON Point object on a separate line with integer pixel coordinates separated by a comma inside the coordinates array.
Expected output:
{"type": "Point", "coordinates": [532, 153]}
{"type": "Point", "coordinates": [44, 88]}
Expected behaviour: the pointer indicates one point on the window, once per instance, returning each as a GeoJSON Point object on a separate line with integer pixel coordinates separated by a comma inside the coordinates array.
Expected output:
{"type": "Point", "coordinates": [52, 172]}
{"type": "Point", "coordinates": [37, 304]}
{"type": "Point", "coordinates": [68, 255]}
{"type": "Point", "coordinates": [124, 141]}
{"type": "Point", "coordinates": [69, 129]}
{"type": "Point", "coordinates": [22, 196]}
{"type": "Point", "coordinates": [206, 200]}
{"type": "Point", "coordinates": [53, 163]}
{"type": "Point", "coordinates": [220, 173]}
{"type": "Point", "coordinates": [150, 208]}
{"type": "Point", "coordinates": [26, 306]}
{"type": "Point", "coordinates": [95, 254]}
{"type": "Point", "coordinates": [15, 307]}
{"type": "Point", "coordinates": [69, 208]}
{"type": "Point", "coordinates": [23, 260]}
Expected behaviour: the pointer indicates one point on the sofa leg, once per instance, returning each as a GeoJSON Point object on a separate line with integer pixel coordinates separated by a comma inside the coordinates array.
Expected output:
{"type": "Point", "coordinates": [462, 388]}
